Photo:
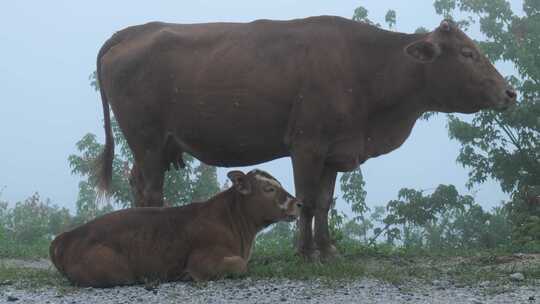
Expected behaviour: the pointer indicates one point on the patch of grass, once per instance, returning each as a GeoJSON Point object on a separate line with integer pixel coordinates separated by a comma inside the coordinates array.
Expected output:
{"type": "Point", "coordinates": [469, 273]}
{"type": "Point", "coordinates": [277, 259]}
{"type": "Point", "coordinates": [495, 268]}
{"type": "Point", "coordinates": [294, 267]}
{"type": "Point", "coordinates": [23, 277]}
{"type": "Point", "coordinates": [387, 273]}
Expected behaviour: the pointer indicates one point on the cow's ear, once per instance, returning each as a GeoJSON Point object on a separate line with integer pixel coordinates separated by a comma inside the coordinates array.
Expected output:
{"type": "Point", "coordinates": [423, 51]}
{"type": "Point", "coordinates": [240, 181]}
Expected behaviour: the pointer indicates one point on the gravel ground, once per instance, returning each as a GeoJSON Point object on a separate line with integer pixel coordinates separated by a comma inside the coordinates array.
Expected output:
{"type": "Point", "coordinates": [280, 291]}
{"type": "Point", "coordinates": [362, 290]}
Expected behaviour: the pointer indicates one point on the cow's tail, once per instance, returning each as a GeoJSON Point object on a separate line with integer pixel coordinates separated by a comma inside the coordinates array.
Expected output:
{"type": "Point", "coordinates": [105, 161]}
{"type": "Point", "coordinates": [56, 253]}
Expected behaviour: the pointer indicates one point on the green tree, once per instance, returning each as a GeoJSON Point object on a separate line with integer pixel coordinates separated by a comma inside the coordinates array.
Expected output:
{"type": "Point", "coordinates": [336, 220]}
{"type": "Point", "coordinates": [445, 219]}
{"type": "Point", "coordinates": [34, 220]}
{"type": "Point", "coordinates": [390, 18]}
{"type": "Point", "coordinates": [27, 228]}
{"type": "Point", "coordinates": [355, 230]}
{"type": "Point", "coordinates": [524, 214]}
{"type": "Point", "coordinates": [499, 227]}
{"type": "Point", "coordinates": [361, 15]}
{"type": "Point", "coordinates": [206, 183]}
{"type": "Point", "coordinates": [3, 218]}
{"type": "Point", "coordinates": [352, 186]}
{"type": "Point", "coordinates": [442, 219]}
{"type": "Point", "coordinates": [88, 206]}
{"type": "Point", "coordinates": [505, 146]}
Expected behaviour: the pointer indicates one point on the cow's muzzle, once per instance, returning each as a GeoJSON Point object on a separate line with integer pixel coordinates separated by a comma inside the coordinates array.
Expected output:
{"type": "Point", "coordinates": [508, 100]}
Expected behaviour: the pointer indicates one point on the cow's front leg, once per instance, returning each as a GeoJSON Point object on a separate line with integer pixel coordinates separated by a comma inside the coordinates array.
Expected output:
{"type": "Point", "coordinates": [308, 164]}
{"type": "Point", "coordinates": [212, 264]}
{"type": "Point", "coordinates": [324, 202]}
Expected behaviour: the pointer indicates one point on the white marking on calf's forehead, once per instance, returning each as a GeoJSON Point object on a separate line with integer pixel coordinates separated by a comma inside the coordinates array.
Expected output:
{"type": "Point", "coordinates": [266, 179]}
{"type": "Point", "coordinates": [260, 175]}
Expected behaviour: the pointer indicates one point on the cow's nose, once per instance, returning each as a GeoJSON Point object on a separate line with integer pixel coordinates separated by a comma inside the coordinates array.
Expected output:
{"type": "Point", "coordinates": [511, 93]}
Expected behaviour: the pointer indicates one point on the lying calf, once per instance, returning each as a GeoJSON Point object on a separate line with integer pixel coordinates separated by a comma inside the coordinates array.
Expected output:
{"type": "Point", "coordinates": [199, 241]}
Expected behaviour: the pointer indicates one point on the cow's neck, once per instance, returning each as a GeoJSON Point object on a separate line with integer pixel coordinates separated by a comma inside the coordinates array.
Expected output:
{"type": "Point", "coordinates": [243, 224]}
{"type": "Point", "coordinates": [395, 96]}
{"type": "Point", "coordinates": [387, 131]}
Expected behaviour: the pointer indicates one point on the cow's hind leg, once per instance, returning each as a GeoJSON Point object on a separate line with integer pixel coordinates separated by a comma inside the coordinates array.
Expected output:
{"type": "Point", "coordinates": [100, 266]}
{"type": "Point", "coordinates": [203, 266]}
{"type": "Point", "coordinates": [155, 162]}
{"type": "Point", "coordinates": [153, 175]}
{"type": "Point", "coordinates": [136, 183]}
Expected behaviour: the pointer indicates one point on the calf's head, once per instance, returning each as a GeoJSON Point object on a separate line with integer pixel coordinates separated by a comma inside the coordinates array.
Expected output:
{"type": "Point", "coordinates": [458, 77]}
{"type": "Point", "coordinates": [264, 198]}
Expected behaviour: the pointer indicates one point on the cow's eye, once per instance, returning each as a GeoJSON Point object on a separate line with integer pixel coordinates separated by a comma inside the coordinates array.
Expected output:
{"type": "Point", "coordinates": [467, 52]}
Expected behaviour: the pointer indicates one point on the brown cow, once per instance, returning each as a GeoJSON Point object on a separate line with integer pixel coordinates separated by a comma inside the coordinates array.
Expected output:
{"type": "Point", "coordinates": [326, 91]}
{"type": "Point", "coordinates": [199, 241]}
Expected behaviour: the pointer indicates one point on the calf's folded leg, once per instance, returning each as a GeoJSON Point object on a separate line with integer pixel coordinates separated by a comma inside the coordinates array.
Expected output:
{"type": "Point", "coordinates": [203, 266]}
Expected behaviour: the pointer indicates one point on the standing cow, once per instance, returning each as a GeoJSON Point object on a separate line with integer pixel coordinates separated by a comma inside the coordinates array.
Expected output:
{"type": "Point", "coordinates": [326, 91]}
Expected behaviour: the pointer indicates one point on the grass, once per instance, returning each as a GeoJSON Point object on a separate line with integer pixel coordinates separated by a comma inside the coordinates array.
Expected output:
{"type": "Point", "coordinates": [353, 264]}
{"type": "Point", "coordinates": [276, 258]}
{"type": "Point", "coordinates": [390, 264]}
{"type": "Point", "coordinates": [287, 265]}
{"type": "Point", "coordinates": [23, 277]}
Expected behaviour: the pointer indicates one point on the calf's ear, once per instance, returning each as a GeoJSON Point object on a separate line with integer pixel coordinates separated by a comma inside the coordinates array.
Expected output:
{"type": "Point", "coordinates": [240, 181]}
{"type": "Point", "coordinates": [423, 51]}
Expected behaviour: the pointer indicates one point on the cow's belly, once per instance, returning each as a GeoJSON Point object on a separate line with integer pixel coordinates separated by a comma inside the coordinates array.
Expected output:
{"type": "Point", "coordinates": [215, 148]}
{"type": "Point", "coordinates": [346, 155]}
{"type": "Point", "coordinates": [231, 130]}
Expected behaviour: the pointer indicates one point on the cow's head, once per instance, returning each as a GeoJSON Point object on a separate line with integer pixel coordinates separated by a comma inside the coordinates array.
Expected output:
{"type": "Point", "coordinates": [459, 78]}
{"type": "Point", "coordinates": [265, 197]}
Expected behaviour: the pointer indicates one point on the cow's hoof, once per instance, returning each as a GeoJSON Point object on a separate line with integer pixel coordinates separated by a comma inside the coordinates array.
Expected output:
{"type": "Point", "coordinates": [151, 285]}
{"type": "Point", "coordinates": [328, 253]}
